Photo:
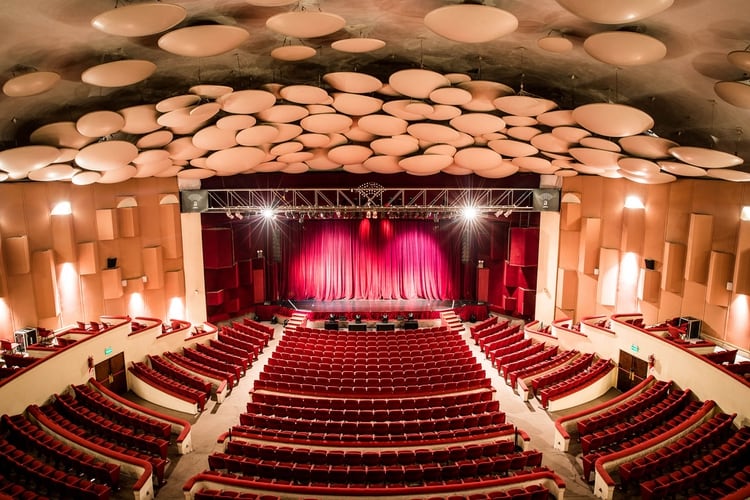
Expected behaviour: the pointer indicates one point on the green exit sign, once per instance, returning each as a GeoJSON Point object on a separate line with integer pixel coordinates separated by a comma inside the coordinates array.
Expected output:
{"type": "Point", "coordinates": [107, 351]}
{"type": "Point", "coordinates": [634, 348]}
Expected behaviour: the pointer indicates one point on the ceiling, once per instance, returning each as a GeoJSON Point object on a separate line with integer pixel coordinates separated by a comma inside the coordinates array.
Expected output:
{"type": "Point", "coordinates": [642, 91]}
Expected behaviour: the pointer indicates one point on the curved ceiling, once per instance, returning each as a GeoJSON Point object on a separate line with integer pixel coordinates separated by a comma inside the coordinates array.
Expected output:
{"type": "Point", "coordinates": [102, 91]}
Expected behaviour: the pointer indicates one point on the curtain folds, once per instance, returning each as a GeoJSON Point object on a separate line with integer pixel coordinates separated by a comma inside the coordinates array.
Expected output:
{"type": "Point", "coordinates": [370, 259]}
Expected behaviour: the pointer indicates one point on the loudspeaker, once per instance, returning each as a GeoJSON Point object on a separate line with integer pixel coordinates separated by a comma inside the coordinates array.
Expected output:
{"type": "Point", "coordinates": [385, 327]}
{"type": "Point", "coordinates": [195, 200]}
{"type": "Point", "coordinates": [649, 263]}
{"type": "Point", "coordinates": [411, 324]}
{"type": "Point", "coordinates": [111, 262]}
{"type": "Point", "coordinates": [357, 327]}
{"type": "Point", "coordinates": [546, 200]}
{"type": "Point", "coordinates": [331, 325]}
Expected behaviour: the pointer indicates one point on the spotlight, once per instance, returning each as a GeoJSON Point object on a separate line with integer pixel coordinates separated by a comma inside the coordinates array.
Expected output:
{"type": "Point", "coordinates": [384, 318]}
{"type": "Point", "coordinates": [633, 202]}
{"type": "Point", "coordinates": [239, 216]}
{"type": "Point", "coordinates": [268, 213]}
{"type": "Point", "coordinates": [410, 316]}
{"type": "Point", "coordinates": [358, 318]}
{"type": "Point", "coordinates": [230, 215]}
{"type": "Point", "coordinates": [469, 213]}
{"type": "Point", "coordinates": [507, 213]}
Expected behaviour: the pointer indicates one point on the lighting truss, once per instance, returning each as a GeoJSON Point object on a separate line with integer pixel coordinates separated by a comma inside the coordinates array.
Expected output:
{"type": "Point", "coordinates": [355, 201]}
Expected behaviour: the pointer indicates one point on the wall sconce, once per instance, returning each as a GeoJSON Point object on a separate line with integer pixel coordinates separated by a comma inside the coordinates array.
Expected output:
{"type": "Point", "coordinates": [651, 361]}
{"type": "Point", "coordinates": [62, 208]}
{"type": "Point", "coordinates": [745, 213]}
{"type": "Point", "coordinates": [144, 278]}
{"type": "Point", "coordinates": [633, 202]}
{"type": "Point", "coordinates": [480, 264]}
{"type": "Point", "coordinates": [259, 253]}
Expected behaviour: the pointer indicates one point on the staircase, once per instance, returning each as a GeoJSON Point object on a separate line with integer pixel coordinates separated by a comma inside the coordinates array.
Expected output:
{"type": "Point", "coordinates": [452, 321]}
{"type": "Point", "coordinates": [298, 319]}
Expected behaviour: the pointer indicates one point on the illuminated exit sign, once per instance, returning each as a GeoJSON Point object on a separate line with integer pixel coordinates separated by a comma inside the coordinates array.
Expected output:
{"type": "Point", "coordinates": [107, 351]}
{"type": "Point", "coordinates": [634, 348]}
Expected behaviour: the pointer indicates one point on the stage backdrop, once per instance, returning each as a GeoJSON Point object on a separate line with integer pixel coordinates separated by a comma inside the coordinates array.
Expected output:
{"type": "Point", "coordinates": [370, 259]}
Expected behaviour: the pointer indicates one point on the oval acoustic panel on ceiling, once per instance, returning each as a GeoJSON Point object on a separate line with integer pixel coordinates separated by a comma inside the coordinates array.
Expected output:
{"type": "Point", "coordinates": [355, 83]}
{"type": "Point", "coordinates": [735, 93]}
{"type": "Point", "coordinates": [293, 53]}
{"type": "Point", "coordinates": [24, 159]}
{"type": "Point", "coordinates": [107, 155]}
{"type": "Point", "coordinates": [470, 23]}
{"type": "Point", "coordinates": [305, 24]}
{"type": "Point", "coordinates": [615, 11]}
{"type": "Point", "coordinates": [647, 146]}
{"type": "Point", "coordinates": [139, 19]}
{"type": "Point", "coordinates": [118, 73]}
{"type": "Point", "coordinates": [100, 123]}
{"type": "Point", "coordinates": [417, 83]}
{"type": "Point", "coordinates": [555, 44]}
{"type": "Point", "coordinates": [203, 40]}
{"type": "Point", "coordinates": [624, 48]}
{"type": "Point", "coordinates": [704, 157]}
{"type": "Point", "coordinates": [60, 134]}
{"type": "Point", "coordinates": [34, 83]}
{"type": "Point", "coordinates": [358, 45]}
{"type": "Point", "coordinates": [612, 120]}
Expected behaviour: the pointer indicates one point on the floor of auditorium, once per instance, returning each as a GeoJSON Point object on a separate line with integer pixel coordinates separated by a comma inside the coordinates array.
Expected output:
{"type": "Point", "coordinates": [217, 418]}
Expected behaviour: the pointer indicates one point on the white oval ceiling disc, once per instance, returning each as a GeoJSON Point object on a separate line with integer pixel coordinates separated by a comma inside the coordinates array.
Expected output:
{"type": "Point", "coordinates": [647, 146]}
{"type": "Point", "coordinates": [555, 44]}
{"type": "Point", "coordinates": [358, 45]}
{"type": "Point", "coordinates": [107, 155]}
{"type": "Point", "coordinates": [355, 83]}
{"type": "Point", "coordinates": [383, 125]}
{"type": "Point", "coordinates": [60, 134]}
{"type": "Point", "coordinates": [478, 158]}
{"type": "Point", "coordinates": [140, 119]}
{"type": "Point", "coordinates": [246, 102]}
{"type": "Point", "coordinates": [735, 93]}
{"type": "Point", "coordinates": [470, 23]}
{"type": "Point", "coordinates": [305, 24]}
{"type": "Point", "coordinates": [118, 73]}
{"type": "Point", "coordinates": [53, 172]}
{"type": "Point", "coordinates": [612, 120]}
{"type": "Point", "coordinates": [417, 83]}
{"type": "Point", "coordinates": [24, 159]}
{"type": "Point", "coordinates": [33, 83]}
{"type": "Point", "coordinates": [139, 19]}
{"type": "Point", "coordinates": [293, 53]}
{"type": "Point", "coordinates": [85, 178]}
{"type": "Point", "coordinates": [704, 157]}
{"type": "Point", "coordinates": [349, 154]}
{"type": "Point", "coordinates": [624, 48]}
{"type": "Point", "coordinates": [305, 94]}
{"type": "Point", "coordinates": [615, 11]}
{"type": "Point", "coordinates": [100, 123]}
{"type": "Point", "coordinates": [204, 40]}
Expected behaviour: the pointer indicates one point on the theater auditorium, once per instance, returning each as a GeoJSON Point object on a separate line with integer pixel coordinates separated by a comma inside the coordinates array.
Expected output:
{"type": "Point", "coordinates": [319, 249]}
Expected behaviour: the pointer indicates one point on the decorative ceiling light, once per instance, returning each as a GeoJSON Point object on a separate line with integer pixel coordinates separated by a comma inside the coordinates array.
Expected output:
{"type": "Point", "coordinates": [100, 123]}
{"type": "Point", "coordinates": [358, 45]}
{"type": "Point", "coordinates": [612, 120]}
{"type": "Point", "coordinates": [555, 42]}
{"type": "Point", "coordinates": [118, 73]}
{"type": "Point", "coordinates": [203, 40]}
{"type": "Point", "coordinates": [417, 83]}
{"type": "Point", "coordinates": [615, 11]}
{"type": "Point", "coordinates": [704, 157]}
{"type": "Point", "coordinates": [470, 23]}
{"type": "Point", "coordinates": [624, 48]}
{"type": "Point", "coordinates": [32, 83]}
{"type": "Point", "coordinates": [305, 24]}
{"type": "Point", "coordinates": [735, 93]}
{"type": "Point", "coordinates": [139, 19]}
{"type": "Point", "coordinates": [270, 3]}
{"type": "Point", "coordinates": [292, 53]}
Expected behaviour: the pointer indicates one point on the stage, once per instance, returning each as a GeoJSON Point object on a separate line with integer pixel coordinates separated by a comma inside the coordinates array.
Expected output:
{"type": "Point", "coordinates": [373, 309]}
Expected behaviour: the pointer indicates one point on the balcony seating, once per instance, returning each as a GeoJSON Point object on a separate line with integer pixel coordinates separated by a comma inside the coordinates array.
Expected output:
{"type": "Point", "coordinates": [531, 365]}
{"type": "Point", "coordinates": [510, 357]}
{"type": "Point", "coordinates": [210, 361]}
{"type": "Point", "coordinates": [238, 343]}
{"type": "Point", "coordinates": [169, 385]}
{"type": "Point", "coordinates": [182, 376]}
{"type": "Point", "coordinates": [578, 365]}
{"type": "Point", "coordinates": [581, 379]}
{"type": "Point", "coordinates": [201, 368]}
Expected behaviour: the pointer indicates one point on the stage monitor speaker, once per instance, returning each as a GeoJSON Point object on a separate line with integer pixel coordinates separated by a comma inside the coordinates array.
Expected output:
{"type": "Point", "coordinates": [546, 200]}
{"type": "Point", "coordinates": [111, 262]}
{"type": "Point", "coordinates": [332, 325]}
{"type": "Point", "coordinates": [194, 200]}
{"type": "Point", "coordinates": [357, 327]}
{"type": "Point", "coordinates": [411, 324]}
{"type": "Point", "coordinates": [385, 327]}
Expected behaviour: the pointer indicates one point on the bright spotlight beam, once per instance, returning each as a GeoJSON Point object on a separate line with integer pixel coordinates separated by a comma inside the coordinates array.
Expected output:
{"type": "Point", "coordinates": [469, 213]}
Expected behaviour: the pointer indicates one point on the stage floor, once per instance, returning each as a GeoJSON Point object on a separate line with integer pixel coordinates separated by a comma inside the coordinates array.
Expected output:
{"type": "Point", "coordinates": [344, 306]}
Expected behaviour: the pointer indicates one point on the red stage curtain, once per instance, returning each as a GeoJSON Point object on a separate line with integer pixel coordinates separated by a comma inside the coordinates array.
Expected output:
{"type": "Point", "coordinates": [370, 259]}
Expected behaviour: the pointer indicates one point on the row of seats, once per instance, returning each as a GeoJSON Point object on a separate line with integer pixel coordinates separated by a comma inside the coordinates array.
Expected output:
{"type": "Point", "coordinates": [303, 332]}
{"type": "Point", "coordinates": [48, 413]}
{"type": "Point", "coordinates": [366, 404]}
{"type": "Point", "coordinates": [709, 435]}
{"type": "Point", "coordinates": [566, 371]}
{"type": "Point", "coordinates": [31, 438]}
{"type": "Point", "coordinates": [78, 413]}
{"type": "Point", "coordinates": [367, 351]}
{"type": "Point", "coordinates": [528, 492]}
{"type": "Point", "coordinates": [504, 338]}
{"type": "Point", "coordinates": [372, 427]}
{"type": "Point", "coordinates": [326, 439]}
{"type": "Point", "coordinates": [644, 420]}
{"type": "Point", "coordinates": [510, 357]}
{"type": "Point", "coordinates": [661, 425]}
{"type": "Point", "coordinates": [482, 328]}
{"type": "Point", "coordinates": [247, 354]}
{"type": "Point", "coordinates": [19, 360]}
{"type": "Point", "coordinates": [337, 389]}
{"type": "Point", "coordinates": [731, 485]}
{"type": "Point", "coordinates": [501, 349]}
{"type": "Point", "coordinates": [10, 490]}
{"type": "Point", "coordinates": [202, 369]}
{"type": "Point", "coordinates": [225, 337]}
{"type": "Point", "coordinates": [704, 471]}
{"type": "Point", "coordinates": [24, 468]}
{"type": "Point", "coordinates": [575, 383]}
{"type": "Point", "coordinates": [402, 456]}
{"type": "Point", "coordinates": [404, 359]}
{"type": "Point", "coordinates": [720, 357]}
{"type": "Point", "coordinates": [256, 325]}
{"type": "Point", "coordinates": [374, 475]}
{"type": "Point", "coordinates": [624, 410]}
{"type": "Point", "coordinates": [294, 361]}
{"type": "Point", "coordinates": [541, 362]}
{"type": "Point", "coordinates": [374, 373]}
{"type": "Point", "coordinates": [498, 331]}
{"type": "Point", "coordinates": [169, 385]}
{"type": "Point", "coordinates": [169, 369]}
{"type": "Point", "coordinates": [225, 356]}
{"type": "Point", "coordinates": [211, 494]}
{"type": "Point", "coordinates": [382, 415]}
{"type": "Point", "coordinates": [255, 338]}
{"type": "Point", "coordinates": [260, 336]}
{"type": "Point", "coordinates": [213, 362]}
{"type": "Point", "coordinates": [95, 401]}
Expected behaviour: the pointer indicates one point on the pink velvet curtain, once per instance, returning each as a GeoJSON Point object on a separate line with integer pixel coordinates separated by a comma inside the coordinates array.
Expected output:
{"type": "Point", "coordinates": [370, 259]}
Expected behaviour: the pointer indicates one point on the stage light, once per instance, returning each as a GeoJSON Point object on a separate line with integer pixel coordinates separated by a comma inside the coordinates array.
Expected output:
{"type": "Point", "coordinates": [267, 213]}
{"type": "Point", "coordinates": [469, 213]}
{"type": "Point", "coordinates": [239, 216]}
{"type": "Point", "coordinates": [62, 208]}
{"type": "Point", "coordinates": [230, 215]}
{"type": "Point", "coordinates": [384, 318]}
{"type": "Point", "coordinates": [358, 318]}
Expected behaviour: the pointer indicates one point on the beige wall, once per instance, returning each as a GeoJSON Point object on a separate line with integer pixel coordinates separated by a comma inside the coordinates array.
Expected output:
{"type": "Point", "coordinates": [53, 267]}
{"type": "Point", "coordinates": [690, 228]}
